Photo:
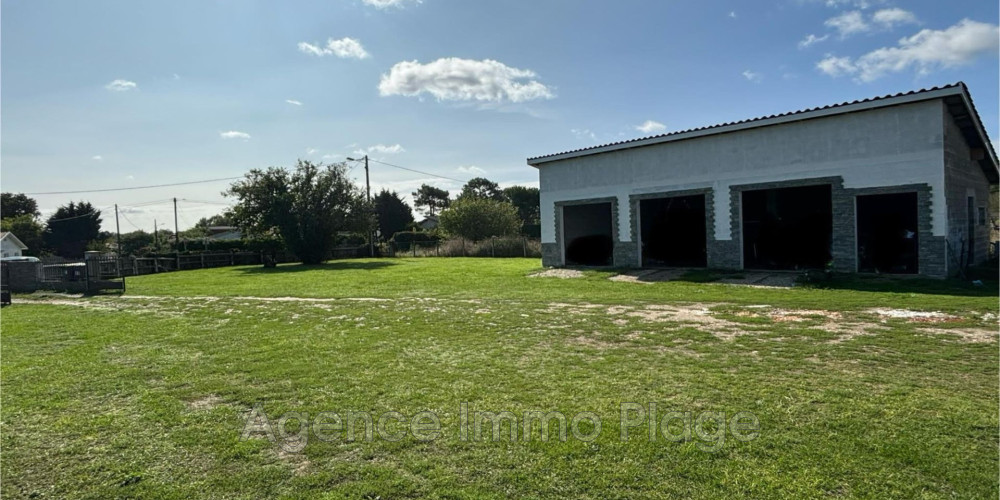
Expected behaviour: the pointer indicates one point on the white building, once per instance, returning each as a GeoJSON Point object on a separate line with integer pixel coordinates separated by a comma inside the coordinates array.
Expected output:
{"type": "Point", "coordinates": [894, 184]}
{"type": "Point", "coordinates": [10, 245]}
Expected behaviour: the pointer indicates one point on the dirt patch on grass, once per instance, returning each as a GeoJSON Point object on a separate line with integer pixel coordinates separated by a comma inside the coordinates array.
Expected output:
{"type": "Point", "coordinates": [648, 276]}
{"type": "Point", "coordinates": [972, 335]}
{"type": "Point", "coordinates": [558, 273]}
{"type": "Point", "coordinates": [915, 316]}
{"type": "Point", "coordinates": [205, 403]}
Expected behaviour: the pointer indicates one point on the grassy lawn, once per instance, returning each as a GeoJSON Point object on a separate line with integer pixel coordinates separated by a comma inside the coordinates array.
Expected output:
{"type": "Point", "coordinates": [147, 395]}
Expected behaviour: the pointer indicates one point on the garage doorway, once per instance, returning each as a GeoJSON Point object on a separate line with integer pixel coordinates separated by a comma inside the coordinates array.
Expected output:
{"type": "Point", "coordinates": [672, 231]}
{"type": "Point", "coordinates": [787, 228]}
{"type": "Point", "coordinates": [887, 233]}
{"type": "Point", "coordinates": [587, 234]}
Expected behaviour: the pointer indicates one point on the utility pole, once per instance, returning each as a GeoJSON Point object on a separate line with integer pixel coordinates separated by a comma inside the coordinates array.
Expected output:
{"type": "Point", "coordinates": [368, 197]}
{"type": "Point", "coordinates": [118, 233]}
{"type": "Point", "coordinates": [177, 238]}
{"type": "Point", "coordinates": [368, 187]}
{"type": "Point", "coordinates": [156, 237]}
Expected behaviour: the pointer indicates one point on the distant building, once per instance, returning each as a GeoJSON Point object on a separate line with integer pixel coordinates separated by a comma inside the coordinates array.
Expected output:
{"type": "Point", "coordinates": [223, 233]}
{"type": "Point", "coordinates": [895, 184]}
{"type": "Point", "coordinates": [11, 246]}
{"type": "Point", "coordinates": [430, 222]}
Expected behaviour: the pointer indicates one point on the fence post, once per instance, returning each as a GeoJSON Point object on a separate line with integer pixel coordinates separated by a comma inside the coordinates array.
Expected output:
{"type": "Point", "coordinates": [524, 247]}
{"type": "Point", "coordinates": [135, 266]}
{"type": "Point", "coordinates": [232, 259]}
{"type": "Point", "coordinates": [463, 247]}
{"type": "Point", "coordinates": [156, 265]}
{"type": "Point", "coordinates": [413, 246]}
{"type": "Point", "coordinates": [203, 260]}
{"type": "Point", "coordinates": [437, 248]}
{"type": "Point", "coordinates": [493, 246]}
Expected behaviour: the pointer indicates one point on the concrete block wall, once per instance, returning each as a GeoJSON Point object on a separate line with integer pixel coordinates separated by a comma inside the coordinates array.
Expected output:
{"type": "Point", "coordinates": [963, 177]}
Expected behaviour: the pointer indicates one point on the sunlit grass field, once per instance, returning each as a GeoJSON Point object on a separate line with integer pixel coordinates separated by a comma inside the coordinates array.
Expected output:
{"type": "Point", "coordinates": [860, 388]}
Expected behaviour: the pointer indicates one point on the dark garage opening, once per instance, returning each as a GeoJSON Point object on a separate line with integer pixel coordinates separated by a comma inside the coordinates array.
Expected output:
{"type": "Point", "coordinates": [673, 231]}
{"type": "Point", "coordinates": [787, 228]}
{"type": "Point", "coordinates": [587, 233]}
{"type": "Point", "coordinates": [887, 233]}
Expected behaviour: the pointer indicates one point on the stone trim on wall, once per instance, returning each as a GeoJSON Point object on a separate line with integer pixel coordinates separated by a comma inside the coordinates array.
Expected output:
{"type": "Point", "coordinates": [587, 201]}
{"type": "Point", "coordinates": [842, 248]}
{"type": "Point", "coordinates": [634, 200]}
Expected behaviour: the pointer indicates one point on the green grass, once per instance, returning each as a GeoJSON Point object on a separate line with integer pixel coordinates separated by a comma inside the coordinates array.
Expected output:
{"type": "Point", "coordinates": [147, 396]}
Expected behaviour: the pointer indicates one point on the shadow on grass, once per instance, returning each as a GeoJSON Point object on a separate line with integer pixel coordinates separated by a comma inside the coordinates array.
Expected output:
{"type": "Point", "coordinates": [337, 265]}
{"type": "Point", "coordinates": [955, 287]}
{"type": "Point", "coordinates": [866, 283]}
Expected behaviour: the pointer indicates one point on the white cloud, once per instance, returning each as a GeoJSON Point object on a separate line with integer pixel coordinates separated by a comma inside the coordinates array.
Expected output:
{"type": "Point", "coordinates": [310, 151]}
{"type": "Point", "coordinates": [860, 4]}
{"type": "Point", "coordinates": [812, 39]}
{"type": "Point", "coordinates": [848, 23]}
{"type": "Point", "coordinates": [97, 157]}
{"type": "Point", "coordinates": [836, 66]}
{"type": "Point", "coordinates": [381, 149]}
{"type": "Point", "coordinates": [454, 79]}
{"type": "Point", "coordinates": [753, 76]}
{"type": "Point", "coordinates": [732, 14]}
{"type": "Point", "coordinates": [176, 76]}
{"type": "Point", "coordinates": [472, 170]}
{"type": "Point", "coordinates": [234, 134]}
{"type": "Point", "coordinates": [584, 133]}
{"type": "Point", "coordinates": [345, 48]}
{"type": "Point", "coordinates": [293, 102]}
{"type": "Point", "coordinates": [926, 51]}
{"type": "Point", "coordinates": [650, 126]}
{"type": "Point", "coordinates": [121, 85]}
{"type": "Point", "coordinates": [385, 4]}
{"type": "Point", "coordinates": [330, 156]}
{"type": "Point", "coordinates": [889, 18]}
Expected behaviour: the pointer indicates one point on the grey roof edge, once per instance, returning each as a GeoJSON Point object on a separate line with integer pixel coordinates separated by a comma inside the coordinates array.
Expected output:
{"type": "Point", "coordinates": [958, 88]}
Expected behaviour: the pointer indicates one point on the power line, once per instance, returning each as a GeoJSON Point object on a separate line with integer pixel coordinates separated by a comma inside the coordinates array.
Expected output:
{"type": "Point", "coordinates": [137, 187]}
{"type": "Point", "coordinates": [417, 171]}
{"type": "Point", "coordinates": [129, 221]}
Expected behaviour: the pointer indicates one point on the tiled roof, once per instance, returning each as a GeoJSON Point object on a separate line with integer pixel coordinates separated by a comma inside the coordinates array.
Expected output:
{"type": "Point", "coordinates": [654, 138]}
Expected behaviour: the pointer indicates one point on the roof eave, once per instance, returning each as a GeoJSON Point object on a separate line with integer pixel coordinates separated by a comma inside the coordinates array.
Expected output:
{"type": "Point", "coordinates": [937, 93]}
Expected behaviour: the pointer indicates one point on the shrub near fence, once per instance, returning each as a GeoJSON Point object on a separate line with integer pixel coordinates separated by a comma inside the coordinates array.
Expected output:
{"type": "Point", "coordinates": [511, 246]}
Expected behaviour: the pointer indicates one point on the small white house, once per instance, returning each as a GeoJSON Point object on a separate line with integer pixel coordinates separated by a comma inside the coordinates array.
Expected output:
{"type": "Point", "coordinates": [11, 246]}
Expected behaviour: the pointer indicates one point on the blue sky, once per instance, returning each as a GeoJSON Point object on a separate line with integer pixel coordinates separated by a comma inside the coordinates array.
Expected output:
{"type": "Point", "coordinates": [109, 94]}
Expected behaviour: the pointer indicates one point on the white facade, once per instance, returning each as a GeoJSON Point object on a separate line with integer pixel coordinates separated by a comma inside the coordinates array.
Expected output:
{"type": "Point", "coordinates": [878, 147]}
{"type": "Point", "coordinates": [868, 146]}
{"type": "Point", "coordinates": [10, 246]}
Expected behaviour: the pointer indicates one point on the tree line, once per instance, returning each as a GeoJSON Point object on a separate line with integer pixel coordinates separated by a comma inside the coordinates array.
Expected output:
{"type": "Point", "coordinates": [305, 210]}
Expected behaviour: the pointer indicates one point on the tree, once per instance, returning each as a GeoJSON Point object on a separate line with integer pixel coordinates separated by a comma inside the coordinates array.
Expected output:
{"type": "Point", "coordinates": [305, 207]}
{"type": "Point", "coordinates": [431, 197]}
{"type": "Point", "coordinates": [72, 228]}
{"type": "Point", "coordinates": [526, 200]}
{"type": "Point", "coordinates": [481, 187]}
{"type": "Point", "coordinates": [28, 230]}
{"type": "Point", "coordinates": [15, 204]}
{"type": "Point", "coordinates": [392, 213]}
{"type": "Point", "coordinates": [480, 218]}
{"type": "Point", "coordinates": [200, 228]}
{"type": "Point", "coordinates": [136, 242]}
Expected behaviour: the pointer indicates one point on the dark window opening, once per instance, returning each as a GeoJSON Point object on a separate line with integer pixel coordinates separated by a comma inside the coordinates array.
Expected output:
{"type": "Point", "coordinates": [887, 233]}
{"type": "Point", "coordinates": [587, 234]}
{"type": "Point", "coordinates": [787, 228]}
{"type": "Point", "coordinates": [673, 231]}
